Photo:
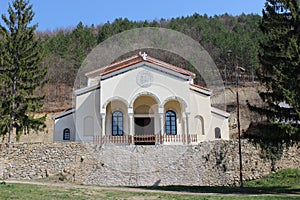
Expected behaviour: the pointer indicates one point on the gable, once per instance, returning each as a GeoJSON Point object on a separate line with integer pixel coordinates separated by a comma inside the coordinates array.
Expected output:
{"type": "Point", "coordinates": [145, 65]}
{"type": "Point", "coordinates": [141, 79]}
{"type": "Point", "coordinates": [138, 61]}
{"type": "Point", "coordinates": [143, 76]}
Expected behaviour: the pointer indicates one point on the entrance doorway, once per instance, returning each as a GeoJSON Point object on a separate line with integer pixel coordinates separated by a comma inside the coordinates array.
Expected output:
{"type": "Point", "coordinates": [144, 131]}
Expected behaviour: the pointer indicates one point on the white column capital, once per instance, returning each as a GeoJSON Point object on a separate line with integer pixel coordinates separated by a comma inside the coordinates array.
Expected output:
{"type": "Point", "coordinates": [130, 115]}
{"type": "Point", "coordinates": [161, 110]}
{"type": "Point", "coordinates": [187, 114]}
{"type": "Point", "coordinates": [130, 111]}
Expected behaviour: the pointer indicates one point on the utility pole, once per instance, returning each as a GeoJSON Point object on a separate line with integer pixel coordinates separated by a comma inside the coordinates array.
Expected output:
{"type": "Point", "coordinates": [237, 71]}
{"type": "Point", "coordinates": [237, 74]}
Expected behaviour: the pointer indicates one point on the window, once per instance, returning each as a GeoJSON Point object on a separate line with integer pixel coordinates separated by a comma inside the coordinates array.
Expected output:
{"type": "Point", "coordinates": [66, 134]}
{"type": "Point", "coordinates": [171, 128]}
{"type": "Point", "coordinates": [217, 133]}
{"type": "Point", "coordinates": [117, 123]}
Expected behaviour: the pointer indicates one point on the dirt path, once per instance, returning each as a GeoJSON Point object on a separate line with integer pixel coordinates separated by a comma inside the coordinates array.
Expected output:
{"type": "Point", "coordinates": [135, 190]}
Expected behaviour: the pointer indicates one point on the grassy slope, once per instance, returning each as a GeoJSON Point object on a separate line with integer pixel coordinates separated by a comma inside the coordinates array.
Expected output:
{"type": "Point", "coordinates": [275, 186]}
{"type": "Point", "coordinates": [289, 178]}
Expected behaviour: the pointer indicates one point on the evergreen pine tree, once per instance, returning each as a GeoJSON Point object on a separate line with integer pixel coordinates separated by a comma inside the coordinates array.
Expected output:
{"type": "Point", "coordinates": [83, 40]}
{"type": "Point", "coordinates": [21, 72]}
{"type": "Point", "coordinates": [280, 73]}
{"type": "Point", "coordinates": [104, 32]}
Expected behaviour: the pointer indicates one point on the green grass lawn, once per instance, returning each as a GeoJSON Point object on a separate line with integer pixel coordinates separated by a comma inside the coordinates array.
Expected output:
{"type": "Point", "coordinates": [280, 185]}
{"type": "Point", "coordinates": [285, 178]}
{"type": "Point", "coordinates": [281, 182]}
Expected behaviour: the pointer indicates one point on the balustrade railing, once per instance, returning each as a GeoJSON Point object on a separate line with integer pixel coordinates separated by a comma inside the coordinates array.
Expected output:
{"type": "Point", "coordinates": [111, 139]}
{"type": "Point", "coordinates": [145, 139]}
{"type": "Point", "coordinates": [193, 138]}
{"type": "Point", "coordinates": [173, 138]}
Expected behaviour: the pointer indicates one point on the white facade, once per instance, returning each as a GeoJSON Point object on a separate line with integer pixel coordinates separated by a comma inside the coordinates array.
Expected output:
{"type": "Point", "coordinates": [142, 100]}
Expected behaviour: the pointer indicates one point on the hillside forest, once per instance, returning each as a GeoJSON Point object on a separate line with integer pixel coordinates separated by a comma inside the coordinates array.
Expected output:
{"type": "Point", "coordinates": [65, 49]}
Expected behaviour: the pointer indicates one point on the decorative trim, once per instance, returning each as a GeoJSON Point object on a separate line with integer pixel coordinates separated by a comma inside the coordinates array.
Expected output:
{"type": "Point", "coordinates": [115, 99]}
{"type": "Point", "coordinates": [179, 99]}
{"type": "Point", "coordinates": [144, 78]}
{"type": "Point", "coordinates": [144, 94]}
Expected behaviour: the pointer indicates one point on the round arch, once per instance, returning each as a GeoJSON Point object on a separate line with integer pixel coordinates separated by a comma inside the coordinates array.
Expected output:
{"type": "Point", "coordinates": [144, 94]}
{"type": "Point", "coordinates": [179, 99]}
{"type": "Point", "coordinates": [115, 99]}
{"type": "Point", "coordinates": [155, 38]}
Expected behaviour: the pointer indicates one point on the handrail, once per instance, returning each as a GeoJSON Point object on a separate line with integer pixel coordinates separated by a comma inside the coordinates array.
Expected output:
{"type": "Point", "coordinates": [145, 139]}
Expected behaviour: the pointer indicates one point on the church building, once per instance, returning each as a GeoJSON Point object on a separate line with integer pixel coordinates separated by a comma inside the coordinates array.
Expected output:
{"type": "Point", "coordinates": [141, 100]}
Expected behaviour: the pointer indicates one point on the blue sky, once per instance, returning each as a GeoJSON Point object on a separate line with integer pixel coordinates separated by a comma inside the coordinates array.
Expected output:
{"type": "Point", "coordinates": [54, 14]}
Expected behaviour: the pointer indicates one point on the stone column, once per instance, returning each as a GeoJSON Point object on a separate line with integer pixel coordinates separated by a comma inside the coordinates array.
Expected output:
{"type": "Point", "coordinates": [187, 127]}
{"type": "Point", "coordinates": [162, 124]}
{"type": "Point", "coordinates": [103, 116]}
{"type": "Point", "coordinates": [131, 123]}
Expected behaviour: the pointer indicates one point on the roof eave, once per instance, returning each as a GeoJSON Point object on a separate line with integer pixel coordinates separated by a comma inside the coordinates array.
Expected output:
{"type": "Point", "coordinates": [219, 112]}
{"type": "Point", "coordinates": [86, 89]}
{"type": "Point", "coordinates": [200, 90]}
{"type": "Point", "coordinates": [63, 114]}
{"type": "Point", "coordinates": [97, 72]}
{"type": "Point", "coordinates": [134, 60]}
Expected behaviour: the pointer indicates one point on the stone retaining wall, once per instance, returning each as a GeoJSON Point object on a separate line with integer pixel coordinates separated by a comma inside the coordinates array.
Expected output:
{"type": "Point", "coordinates": [207, 164]}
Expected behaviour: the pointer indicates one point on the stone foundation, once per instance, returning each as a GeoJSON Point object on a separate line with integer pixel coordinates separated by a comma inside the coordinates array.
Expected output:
{"type": "Point", "coordinates": [214, 163]}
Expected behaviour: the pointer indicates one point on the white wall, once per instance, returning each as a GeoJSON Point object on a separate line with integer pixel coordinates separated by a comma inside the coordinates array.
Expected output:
{"type": "Point", "coordinates": [61, 124]}
{"type": "Point", "coordinates": [87, 111]}
{"type": "Point", "coordinates": [125, 86]}
{"type": "Point", "coordinates": [201, 109]}
{"type": "Point", "coordinates": [110, 109]}
{"type": "Point", "coordinates": [123, 90]}
{"type": "Point", "coordinates": [219, 121]}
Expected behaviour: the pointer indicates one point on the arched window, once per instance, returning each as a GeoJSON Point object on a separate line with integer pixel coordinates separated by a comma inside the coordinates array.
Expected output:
{"type": "Point", "coordinates": [117, 123]}
{"type": "Point", "coordinates": [171, 126]}
{"type": "Point", "coordinates": [66, 134]}
{"type": "Point", "coordinates": [217, 133]}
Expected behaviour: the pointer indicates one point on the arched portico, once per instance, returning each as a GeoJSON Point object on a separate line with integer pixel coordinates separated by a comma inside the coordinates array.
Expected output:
{"type": "Point", "coordinates": [175, 120]}
{"type": "Point", "coordinates": [116, 99]}
{"type": "Point", "coordinates": [135, 97]}
{"type": "Point", "coordinates": [116, 109]}
{"type": "Point", "coordinates": [181, 101]}
{"type": "Point", "coordinates": [145, 119]}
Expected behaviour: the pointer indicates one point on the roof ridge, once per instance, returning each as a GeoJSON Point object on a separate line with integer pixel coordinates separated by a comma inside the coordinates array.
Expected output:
{"type": "Point", "coordinates": [143, 58]}
{"type": "Point", "coordinates": [172, 66]}
{"type": "Point", "coordinates": [112, 64]}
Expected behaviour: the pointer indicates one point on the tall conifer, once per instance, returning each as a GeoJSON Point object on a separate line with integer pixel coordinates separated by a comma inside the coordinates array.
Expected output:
{"type": "Point", "coordinates": [21, 72]}
{"type": "Point", "coordinates": [280, 72]}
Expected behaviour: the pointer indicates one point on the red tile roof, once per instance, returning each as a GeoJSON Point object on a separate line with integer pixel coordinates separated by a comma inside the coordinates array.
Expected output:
{"type": "Point", "coordinates": [134, 60]}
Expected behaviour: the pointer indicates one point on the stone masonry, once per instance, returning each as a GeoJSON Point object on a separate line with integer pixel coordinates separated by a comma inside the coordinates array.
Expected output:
{"type": "Point", "coordinates": [214, 163]}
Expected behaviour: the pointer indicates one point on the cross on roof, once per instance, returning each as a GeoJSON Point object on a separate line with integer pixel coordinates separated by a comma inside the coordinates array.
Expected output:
{"type": "Point", "coordinates": [143, 55]}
